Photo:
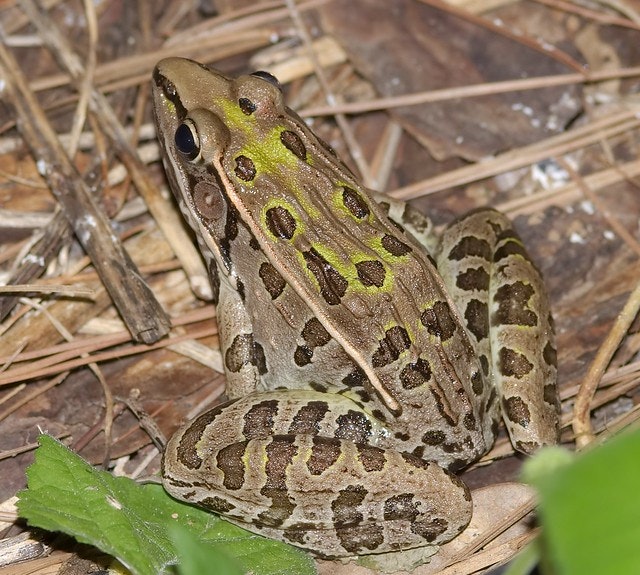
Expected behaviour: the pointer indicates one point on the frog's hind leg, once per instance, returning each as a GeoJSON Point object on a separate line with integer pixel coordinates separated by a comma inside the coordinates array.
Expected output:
{"type": "Point", "coordinates": [296, 465]}
{"type": "Point", "coordinates": [501, 295]}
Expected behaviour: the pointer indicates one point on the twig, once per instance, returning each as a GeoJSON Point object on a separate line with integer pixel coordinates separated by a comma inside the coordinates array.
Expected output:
{"type": "Point", "coordinates": [471, 91]}
{"type": "Point", "coordinates": [582, 427]}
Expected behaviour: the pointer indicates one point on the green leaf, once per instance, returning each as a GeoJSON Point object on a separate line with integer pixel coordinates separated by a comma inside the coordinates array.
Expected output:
{"type": "Point", "coordinates": [590, 510]}
{"type": "Point", "coordinates": [197, 558]}
{"type": "Point", "coordinates": [133, 522]}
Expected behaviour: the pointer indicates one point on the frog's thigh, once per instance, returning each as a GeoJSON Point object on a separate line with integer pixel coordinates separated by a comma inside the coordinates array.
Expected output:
{"type": "Point", "coordinates": [346, 499]}
{"type": "Point", "coordinates": [258, 462]}
{"type": "Point", "coordinates": [502, 297]}
{"type": "Point", "coordinates": [242, 355]}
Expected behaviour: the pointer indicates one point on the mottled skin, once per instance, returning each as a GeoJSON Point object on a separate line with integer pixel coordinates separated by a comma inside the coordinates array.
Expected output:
{"type": "Point", "coordinates": [359, 375]}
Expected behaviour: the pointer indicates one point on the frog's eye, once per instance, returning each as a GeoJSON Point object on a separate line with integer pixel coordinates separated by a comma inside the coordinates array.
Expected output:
{"type": "Point", "coordinates": [187, 140]}
{"type": "Point", "coordinates": [268, 77]}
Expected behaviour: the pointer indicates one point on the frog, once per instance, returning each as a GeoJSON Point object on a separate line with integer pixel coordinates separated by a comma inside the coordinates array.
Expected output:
{"type": "Point", "coordinates": [367, 361]}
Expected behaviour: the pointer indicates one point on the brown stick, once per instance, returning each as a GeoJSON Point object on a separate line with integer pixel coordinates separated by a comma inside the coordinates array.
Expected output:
{"type": "Point", "coordinates": [145, 318]}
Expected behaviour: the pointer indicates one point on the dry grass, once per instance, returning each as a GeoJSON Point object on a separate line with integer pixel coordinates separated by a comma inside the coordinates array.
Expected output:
{"type": "Point", "coordinates": [91, 332]}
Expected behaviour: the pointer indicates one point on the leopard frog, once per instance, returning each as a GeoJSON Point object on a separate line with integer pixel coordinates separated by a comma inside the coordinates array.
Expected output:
{"type": "Point", "coordinates": [361, 370]}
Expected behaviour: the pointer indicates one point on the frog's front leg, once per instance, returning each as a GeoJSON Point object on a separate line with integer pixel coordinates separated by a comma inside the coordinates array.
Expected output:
{"type": "Point", "coordinates": [501, 295]}
{"type": "Point", "coordinates": [279, 463]}
{"type": "Point", "coordinates": [243, 357]}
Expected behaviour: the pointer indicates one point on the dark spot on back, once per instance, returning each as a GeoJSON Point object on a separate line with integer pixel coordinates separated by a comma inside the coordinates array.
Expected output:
{"type": "Point", "coordinates": [371, 272]}
{"type": "Point", "coordinates": [395, 341]}
{"type": "Point", "coordinates": [247, 106]}
{"type": "Point", "coordinates": [280, 222]}
{"type": "Point", "coordinates": [394, 246]}
{"type": "Point", "coordinates": [245, 168]}
{"type": "Point", "coordinates": [294, 144]}
{"type": "Point", "coordinates": [315, 334]}
{"type": "Point", "coordinates": [415, 374]}
{"type": "Point", "coordinates": [356, 378]}
{"type": "Point", "coordinates": [439, 321]}
{"type": "Point", "coordinates": [355, 203]}
{"type": "Point", "coordinates": [332, 284]}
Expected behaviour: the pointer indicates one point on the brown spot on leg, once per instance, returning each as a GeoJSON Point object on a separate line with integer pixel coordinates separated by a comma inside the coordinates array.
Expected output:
{"type": "Point", "coordinates": [550, 355]}
{"type": "Point", "coordinates": [473, 279]}
{"type": "Point", "coordinates": [513, 364]}
{"type": "Point", "coordinates": [513, 305]}
{"type": "Point", "coordinates": [516, 410]}
{"type": "Point", "coordinates": [242, 351]}
{"type": "Point", "coordinates": [187, 452]}
{"type": "Point", "coordinates": [361, 537]}
{"type": "Point", "coordinates": [371, 458]}
{"type": "Point", "coordinates": [230, 461]}
{"type": "Point", "coordinates": [281, 508]}
{"type": "Point", "coordinates": [353, 426]}
{"type": "Point", "coordinates": [511, 245]}
{"type": "Point", "coordinates": [471, 246]}
{"type": "Point", "coordinates": [550, 395]}
{"type": "Point", "coordinates": [477, 383]}
{"type": "Point", "coordinates": [324, 453]}
{"type": "Point", "coordinates": [401, 507]}
{"type": "Point", "coordinates": [433, 437]}
{"type": "Point", "coordinates": [430, 530]}
{"type": "Point", "coordinates": [280, 453]}
{"type": "Point", "coordinates": [259, 419]}
{"type": "Point", "coordinates": [216, 504]}
{"type": "Point", "coordinates": [307, 419]}
{"type": "Point", "coordinates": [345, 506]}
{"type": "Point", "coordinates": [477, 316]}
